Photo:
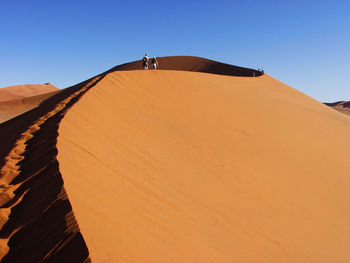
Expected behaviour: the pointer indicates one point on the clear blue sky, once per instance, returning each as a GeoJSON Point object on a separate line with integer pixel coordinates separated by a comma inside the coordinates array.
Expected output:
{"type": "Point", "coordinates": [305, 44]}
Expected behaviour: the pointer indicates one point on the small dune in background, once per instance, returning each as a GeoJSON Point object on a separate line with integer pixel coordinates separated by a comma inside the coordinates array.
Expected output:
{"type": "Point", "coordinates": [15, 100]}
{"type": "Point", "coordinates": [29, 90]}
{"type": "Point", "coordinates": [341, 106]}
{"type": "Point", "coordinates": [196, 162]}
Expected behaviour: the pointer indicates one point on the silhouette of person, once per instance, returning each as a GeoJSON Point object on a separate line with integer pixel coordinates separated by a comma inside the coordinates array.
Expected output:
{"type": "Point", "coordinates": [145, 62]}
{"type": "Point", "coordinates": [154, 63]}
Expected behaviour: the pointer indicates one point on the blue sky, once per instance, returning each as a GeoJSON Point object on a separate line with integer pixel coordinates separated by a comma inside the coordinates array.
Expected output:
{"type": "Point", "coordinates": [305, 44]}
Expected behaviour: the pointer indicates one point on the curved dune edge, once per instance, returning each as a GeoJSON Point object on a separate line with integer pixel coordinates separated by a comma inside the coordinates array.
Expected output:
{"type": "Point", "coordinates": [25, 247]}
{"type": "Point", "coordinates": [19, 184]}
{"type": "Point", "coordinates": [194, 64]}
{"type": "Point", "coordinates": [191, 167]}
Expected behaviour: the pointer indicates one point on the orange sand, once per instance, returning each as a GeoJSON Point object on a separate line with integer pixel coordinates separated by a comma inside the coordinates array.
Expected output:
{"type": "Point", "coordinates": [6, 96]}
{"type": "Point", "coordinates": [12, 108]}
{"type": "Point", "coordinates": [28, 90]}
{"type": "Point", "coordinates": [15, 100]}
{"type": "Point", "coordinates": [171, 166]}
{"type": "Point", "coordinates": [36, 219]}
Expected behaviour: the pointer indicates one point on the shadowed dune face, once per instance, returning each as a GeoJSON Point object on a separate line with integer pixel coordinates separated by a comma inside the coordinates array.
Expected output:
{"type": "Point", "coordinates": [344, 104]}
{"type": "Point", "coordinates": [36, 219]}
{"type": "Point", "coordinates": [341, 106]}
{"type": "Point", "coordinates": [169, 166]}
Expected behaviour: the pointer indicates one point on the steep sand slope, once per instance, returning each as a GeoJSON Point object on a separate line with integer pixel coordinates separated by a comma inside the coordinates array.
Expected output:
{"type": "Point", "coordinates": [36, 219]}
{"type": "Point", "coordinates": [28, 90]}
{"type": "Point", "coordinates": [12, 108]}
{"type": "Point", "coordinates": [171, 166]}
{"type": "Point", "coordinates": [37, 223]}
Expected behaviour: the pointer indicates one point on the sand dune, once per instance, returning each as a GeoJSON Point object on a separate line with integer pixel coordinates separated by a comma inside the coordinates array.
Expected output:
{"type": "Point", "coordinates": [36, 219]}
{"type": "Point", "coordinates": [189, 63]}
{"type": "Point", "coordinates": [29, 90]}
{"type": "Point", "coordinates": [190, 167]}
{"type": "Point", "coordinates": [341, 106]}
{"type": "Point", "coordinates": [6, 95]}
{"type": "Point", "coordinates": [12, 108]}
{"type": "Point", "coordinates": [176, 166]}
{"type": "Point", "coordinates": [15, 100]}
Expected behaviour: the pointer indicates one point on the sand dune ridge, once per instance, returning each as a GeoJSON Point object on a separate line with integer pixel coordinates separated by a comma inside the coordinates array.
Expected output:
{"type": "Point", "coordinates": [20, 183]}
{"type": "Point", "coordinates": [176, 166]}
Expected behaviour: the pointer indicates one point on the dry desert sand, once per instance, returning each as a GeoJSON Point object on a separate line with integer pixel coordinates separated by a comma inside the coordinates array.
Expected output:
{"type": "Point", "coordinates": [176, 165]}
{"type": "Point", "coordinates": [15, 100]}
{"type": "Point", "coordinates": [22, 91]}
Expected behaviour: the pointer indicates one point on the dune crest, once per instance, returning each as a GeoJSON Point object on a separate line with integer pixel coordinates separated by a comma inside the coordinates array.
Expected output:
{"type": "Point", "coordinates": [194, 64]}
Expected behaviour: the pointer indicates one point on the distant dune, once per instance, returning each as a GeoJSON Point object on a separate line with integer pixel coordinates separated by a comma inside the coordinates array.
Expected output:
{"type": "Point", "coordinates": [6, 96]}
{"type": "Point", "coordinates": [341, 106]}
{"type": "Point", "coordinates": [176, 165]}
{"type": "Point", "coordinates": [21, 91]}
{"type": "Point", "coordinates": [12, 108]}
{"type": "Point", "coordinates": [15, 100]}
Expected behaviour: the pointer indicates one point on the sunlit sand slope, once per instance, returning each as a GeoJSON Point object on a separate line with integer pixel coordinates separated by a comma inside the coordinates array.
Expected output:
{"type": "Point", "coordinates": [171, 166]}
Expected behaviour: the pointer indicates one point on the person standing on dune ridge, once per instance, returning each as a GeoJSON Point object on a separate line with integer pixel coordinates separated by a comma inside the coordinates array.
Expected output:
{"type": "Point", "coordinates": [154, 63]}
{"type": "Point", "coordinates": [145, 62]}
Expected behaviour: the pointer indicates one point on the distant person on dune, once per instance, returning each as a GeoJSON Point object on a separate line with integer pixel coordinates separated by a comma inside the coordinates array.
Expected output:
{"type": "Point", "coordinates": [261, 72]}
{"type": "Point", "coordinates": [145, 62]}
{"type": "Point", "coordinates": [154, 63]}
